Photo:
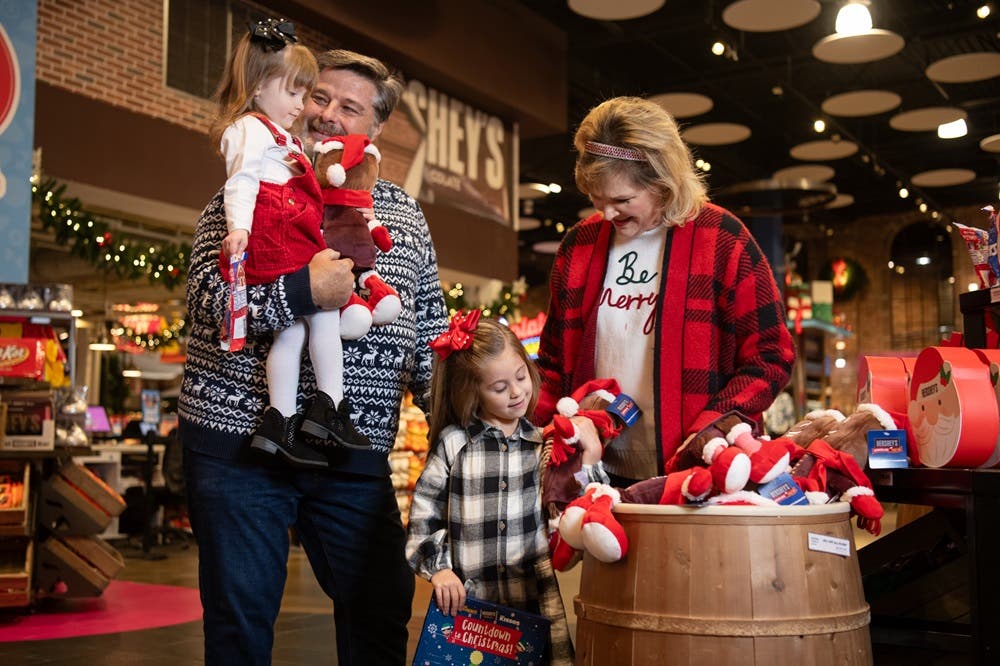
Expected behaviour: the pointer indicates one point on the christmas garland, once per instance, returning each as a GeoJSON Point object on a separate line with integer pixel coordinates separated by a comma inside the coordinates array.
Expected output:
{"type": "Point", "coordinates": [171, 334]}
{"type": "Point", "coordinates": [92, 240]}
{"type": "Point", "coordinates": [506, 304]}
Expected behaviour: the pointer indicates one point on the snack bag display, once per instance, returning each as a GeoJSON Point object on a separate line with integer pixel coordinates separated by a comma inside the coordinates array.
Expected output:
{"type": "Point", "coordinates": [977, 242]}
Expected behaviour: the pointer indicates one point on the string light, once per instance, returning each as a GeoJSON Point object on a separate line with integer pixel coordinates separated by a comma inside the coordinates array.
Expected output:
{"type": "Point", "coordinates": [129, 258]}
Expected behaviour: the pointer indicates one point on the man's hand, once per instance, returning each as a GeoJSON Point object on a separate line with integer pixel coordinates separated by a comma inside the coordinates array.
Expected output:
{"type": "Point", "coordinates": [330, 279]}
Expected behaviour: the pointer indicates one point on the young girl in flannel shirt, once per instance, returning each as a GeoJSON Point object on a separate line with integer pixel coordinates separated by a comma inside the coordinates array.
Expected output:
{"type": "Point", "coordinates": [476, 523]}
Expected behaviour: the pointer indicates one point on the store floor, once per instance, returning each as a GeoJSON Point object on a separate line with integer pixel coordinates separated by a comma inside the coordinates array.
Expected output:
{"type": "Point", "coordinates": [304, 632]}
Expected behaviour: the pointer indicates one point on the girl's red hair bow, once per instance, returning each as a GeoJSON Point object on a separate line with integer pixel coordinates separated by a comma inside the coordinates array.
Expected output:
{"type": "Point", "coordinates": [459, 333]}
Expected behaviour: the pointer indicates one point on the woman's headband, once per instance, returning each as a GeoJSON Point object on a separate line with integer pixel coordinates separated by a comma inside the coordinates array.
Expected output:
{"type": "Point", "coordinates": [614, 152]}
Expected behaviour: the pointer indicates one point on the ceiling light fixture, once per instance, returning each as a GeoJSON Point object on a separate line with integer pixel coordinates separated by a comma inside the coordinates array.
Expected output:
{"type": "Point", "coordinates": [983, 11]}
{"type": "Point", "coordinates": [103, 343]}
{"type": "Point", "coordinates": [953, 130]}
{"type": "Point", "coordinates": [903, 193]}
{"type": "Point", "coordinates": [725, 49]}
{"type": "Point", "coordinates": [819, 125]}
{"type": "Point", "coordinates": [853, 19]}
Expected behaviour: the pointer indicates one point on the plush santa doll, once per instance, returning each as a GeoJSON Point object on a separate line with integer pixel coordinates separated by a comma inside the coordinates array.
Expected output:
{"type": "Point", "coordinates": [347, 169]}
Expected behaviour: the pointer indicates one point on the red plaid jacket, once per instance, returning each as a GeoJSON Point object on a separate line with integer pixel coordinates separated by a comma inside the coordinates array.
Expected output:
{"type": "Point", "coordinates": [721, 340]}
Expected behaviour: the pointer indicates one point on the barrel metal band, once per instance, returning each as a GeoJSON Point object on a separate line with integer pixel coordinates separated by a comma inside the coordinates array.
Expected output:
{"type": "Point", "coordinates": [672, 624]}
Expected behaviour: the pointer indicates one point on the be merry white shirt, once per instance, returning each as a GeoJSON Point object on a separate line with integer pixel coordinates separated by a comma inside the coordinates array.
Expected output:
{"type": "Point", "coordinates": [624, 347]}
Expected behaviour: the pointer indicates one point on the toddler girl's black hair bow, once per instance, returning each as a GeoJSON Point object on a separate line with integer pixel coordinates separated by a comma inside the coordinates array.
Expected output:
{"type": "Point", "coordinates": [273, 34]}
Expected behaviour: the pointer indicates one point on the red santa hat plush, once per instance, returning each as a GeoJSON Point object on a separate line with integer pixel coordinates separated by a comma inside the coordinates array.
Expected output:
{"type": "Point", "coordinates": [354, 146]}
{"type": "Point", "coordinates": [839, 475]}
{"type": "Point", "coordinates": [767, 459]}
{"type": "Point", "coordinates": [591, 394]}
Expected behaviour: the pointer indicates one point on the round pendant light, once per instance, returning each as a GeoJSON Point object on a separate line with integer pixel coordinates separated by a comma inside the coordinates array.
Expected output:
{"type": "Point", "coordinates": [926, 119]}
{"type": "Point", "coordinates": [841, 201]}
{"type": "Point", "coordinates": [965, 68]}
{"type": "Point", "coordinates": [683, 104]}
{"type": "Point", "coordinates": [859, 103]}
{"type": "Point", "coordinates": [716, 134]}
{"type": "Point", "coordinates": [817, 173]}
{"type": "Point", "coordinates": [991, 144]}
{"type": "Point", "coordinates": [619, 10]}
{"type": "Point", "coordinates": [823, 150]}
{"type": "Point", "coordinates": [943, 177]}
{"type": "Point", "coordinates": [847, 49]}
{"type": "Point", "coordinates": [769, 15]}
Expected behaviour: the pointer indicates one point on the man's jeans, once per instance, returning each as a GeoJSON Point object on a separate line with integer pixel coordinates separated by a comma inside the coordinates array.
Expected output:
{"type": "Point", "coordinates": [350, 528]}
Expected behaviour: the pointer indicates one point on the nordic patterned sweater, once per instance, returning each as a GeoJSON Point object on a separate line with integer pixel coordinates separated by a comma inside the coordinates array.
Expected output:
{"type": "Point", "coordinates": [223, 394]}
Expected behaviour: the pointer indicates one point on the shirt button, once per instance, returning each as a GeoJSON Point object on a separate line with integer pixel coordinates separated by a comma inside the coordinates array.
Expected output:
{"type": "Point", "coordinates": [503, 447]}
{"type": "Point", "coordinates": [502, 526]}
{"type": "Point", "coordinates": [503, 485]}
{"type": "Point", "coordinates": [501, 568]}
{"type": "Point", "coordinates": [291, 201]}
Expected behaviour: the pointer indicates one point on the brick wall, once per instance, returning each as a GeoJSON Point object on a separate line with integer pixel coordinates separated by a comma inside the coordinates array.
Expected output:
{"type": "Point", "coordinates": [112, 50]}
{"type": "Point", "coordinates": [868, 315]}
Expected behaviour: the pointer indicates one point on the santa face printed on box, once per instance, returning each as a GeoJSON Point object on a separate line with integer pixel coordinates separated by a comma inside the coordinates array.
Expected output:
{"type": "Point", "coordinates": [951, 424]}
{"type": "Point", "coordinates": [935, 418]}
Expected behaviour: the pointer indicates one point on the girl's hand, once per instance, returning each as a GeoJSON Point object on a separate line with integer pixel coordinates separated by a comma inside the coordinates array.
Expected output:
{"type": "Point", "coordinates": [234, 242]}
{"type": "Point", "coordinates": [448, 591]}
{"type": "Point", "coordinates": [590, 442]}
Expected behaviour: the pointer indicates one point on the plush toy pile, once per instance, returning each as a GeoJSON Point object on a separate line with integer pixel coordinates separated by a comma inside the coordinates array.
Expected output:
{"type": "Point", "coordinates": [825, 455]}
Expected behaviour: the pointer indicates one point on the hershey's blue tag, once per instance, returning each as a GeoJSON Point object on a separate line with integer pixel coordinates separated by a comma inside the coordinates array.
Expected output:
{"type": "Point", "coordinates": [887, 448]}
{"type": "Point", "coordinates": [783, 490]}
{"type": "Point", "coordinates": [624, 407]}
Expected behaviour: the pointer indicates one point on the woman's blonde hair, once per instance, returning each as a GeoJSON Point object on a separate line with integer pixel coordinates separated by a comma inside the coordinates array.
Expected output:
{"type": "Point", "coordinates": [456, 379]}
{"type": "Point", "coordinates": [251, 66]}
{"type": "Point", "coordinates": [641, 125]}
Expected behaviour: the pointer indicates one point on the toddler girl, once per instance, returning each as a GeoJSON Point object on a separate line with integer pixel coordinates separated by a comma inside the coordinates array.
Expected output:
{"type": "Point", "coordinates": [274, 210]}
{"type": "Point", "coordinates": [476, 523]}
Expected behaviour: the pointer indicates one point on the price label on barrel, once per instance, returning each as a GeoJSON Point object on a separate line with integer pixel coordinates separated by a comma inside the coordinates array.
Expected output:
{"type": "Point", "coordinates": [825, 543]}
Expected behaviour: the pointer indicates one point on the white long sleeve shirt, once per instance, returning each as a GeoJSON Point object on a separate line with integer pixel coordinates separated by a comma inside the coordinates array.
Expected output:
{"type": "Point", "coordinates": [252, 156]}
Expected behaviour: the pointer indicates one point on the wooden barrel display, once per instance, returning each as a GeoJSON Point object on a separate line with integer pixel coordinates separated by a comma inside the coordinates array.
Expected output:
{"type": "Point", "coordinates": [732, 585]}
{"type": "Point", "coordinates": [953, 420]}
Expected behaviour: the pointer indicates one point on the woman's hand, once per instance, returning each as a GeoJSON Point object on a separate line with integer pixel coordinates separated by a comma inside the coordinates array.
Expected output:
{"type": "Point", "coordinates": [448, 591]}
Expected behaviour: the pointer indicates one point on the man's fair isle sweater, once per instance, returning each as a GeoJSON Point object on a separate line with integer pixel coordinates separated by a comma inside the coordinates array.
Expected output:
{"type": "Point", "coordinates": [223, 395]}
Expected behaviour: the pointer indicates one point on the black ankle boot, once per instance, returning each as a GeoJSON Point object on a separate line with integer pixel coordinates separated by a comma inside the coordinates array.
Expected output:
{"type": "Point", "coordinates": [277, 436]}
{"type": "Point", "coordinates": [333, 424]}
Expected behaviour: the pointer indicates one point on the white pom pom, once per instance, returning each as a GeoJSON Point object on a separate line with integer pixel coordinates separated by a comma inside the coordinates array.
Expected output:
{"type": "Point", "coordinates": [567, 406]}
{"type": "Point", "coordinates": [372, 150]}
{"type": "Point", "coordinates": [817, 497]}
{"type": "Point", "coordinates": [336, 175]}
{"type": "Point", "coordinates": [712, 447]}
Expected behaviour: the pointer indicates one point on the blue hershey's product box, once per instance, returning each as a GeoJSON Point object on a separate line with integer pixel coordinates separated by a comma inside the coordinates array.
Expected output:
{"type": "Point", "coordinates": [481, 634]}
